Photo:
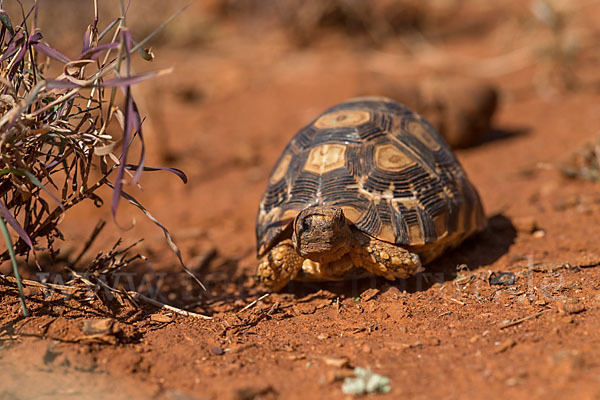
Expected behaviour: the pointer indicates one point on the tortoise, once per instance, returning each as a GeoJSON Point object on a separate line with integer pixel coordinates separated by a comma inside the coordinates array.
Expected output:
{"type": "Point", "coordinates": [368, 187]}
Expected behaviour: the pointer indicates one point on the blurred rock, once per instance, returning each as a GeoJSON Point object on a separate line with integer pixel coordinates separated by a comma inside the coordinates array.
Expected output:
{"type": "Point", "coordinates": [338, 362]}
{"type": "Point", "coordinates": [584, 163]}
{"type": "Point", "coordinates": [570, 305]}
{"type": "Point", "coordinates": [461, 109]}
{"type": "Point", "coordinates": [503, 279]}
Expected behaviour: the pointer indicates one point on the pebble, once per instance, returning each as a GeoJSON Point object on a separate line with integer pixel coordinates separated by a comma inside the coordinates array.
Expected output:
{"type": "Point", "coordinates": [507, 344]}
{"type": "Point", "coordinates": [369, 294]}
{"type": "Point", "coordinates": [570, 305]}
{"type": "Point", "coordinates": [511, 382]}
{"type": "Point", "coordinates": [338, 362]}
{"type": "Point", "coordinates": [217, 351]}
{"type": "Point", "coordinates": [99, 326]}
{"type": "Point", "coordinates": [160, 318]}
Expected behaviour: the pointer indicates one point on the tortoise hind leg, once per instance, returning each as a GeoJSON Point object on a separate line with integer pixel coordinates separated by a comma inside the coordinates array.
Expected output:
{"type": "Point", "coordinates": [279, 266]}
{"type": "Point", "coordinates": [383, 258]}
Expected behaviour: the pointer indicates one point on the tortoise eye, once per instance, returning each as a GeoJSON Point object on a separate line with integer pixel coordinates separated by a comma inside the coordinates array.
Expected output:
{"type": "Point", "coordinates": [305, 224]}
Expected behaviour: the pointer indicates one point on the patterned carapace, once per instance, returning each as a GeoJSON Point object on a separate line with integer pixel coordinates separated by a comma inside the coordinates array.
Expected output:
{"type": "Point", "coordinates": [388, 169]}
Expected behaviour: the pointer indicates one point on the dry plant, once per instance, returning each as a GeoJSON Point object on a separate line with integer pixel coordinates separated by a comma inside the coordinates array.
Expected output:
{"type": "Point", "coordinates": [556, 71]}
{"type": "Point", "coordinates": [306, 21]}
{"type": "Point", "coordinates": [60, 134]}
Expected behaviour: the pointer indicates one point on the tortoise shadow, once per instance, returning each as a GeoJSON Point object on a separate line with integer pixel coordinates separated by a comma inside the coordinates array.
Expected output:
{"type": "Point", "coordinates": [477, 251]}
{"type": "Point", "coordinates": [499, 134]}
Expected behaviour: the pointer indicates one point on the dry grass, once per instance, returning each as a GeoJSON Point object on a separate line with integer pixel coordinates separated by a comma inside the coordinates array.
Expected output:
{"type": "Point", "coordinates": [66, 134]}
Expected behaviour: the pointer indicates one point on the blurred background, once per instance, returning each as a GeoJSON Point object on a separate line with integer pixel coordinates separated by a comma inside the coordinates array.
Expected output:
{"type": "Point", "coordinates": [507, 82]}
{"type": "Point", "coordinates": [514, 87]}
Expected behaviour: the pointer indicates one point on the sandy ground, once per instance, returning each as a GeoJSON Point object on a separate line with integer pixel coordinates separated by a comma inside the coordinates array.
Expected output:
{"type": "Point", "coordinates": [454, 332]}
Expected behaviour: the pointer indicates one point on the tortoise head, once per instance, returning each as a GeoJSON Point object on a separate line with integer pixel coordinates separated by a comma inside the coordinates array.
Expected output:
{"type": "Point", "coordinates": [321, 233]}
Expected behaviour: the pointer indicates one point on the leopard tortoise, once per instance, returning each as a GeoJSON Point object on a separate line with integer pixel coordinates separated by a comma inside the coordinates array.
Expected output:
{"type": "Point", "coordinates": [367, 187]}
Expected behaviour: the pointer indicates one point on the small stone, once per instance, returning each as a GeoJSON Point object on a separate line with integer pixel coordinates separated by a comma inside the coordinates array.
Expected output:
{"type": "Point", "coordinates": [58, 310]}
{"type": "Point", "coordinates": [507, 344]}
{"type": "Point", "coordinates": [503, 278]}
{"type": "Point", "coordinates": [104, 330]}
{"type": "Point", "coordinates": [366, 348]}
{"type": "Point", "coordinates": [160, 318]}
{"type": "Point", "coordinates": [511, 382]}
{"type": "Point", "coordinates": [570, 305]}
{"type": "Point", "coordinates": [216, 350]}
{"type": "Point", "coordinates": [98, 326]}
{"type": "Point", "coordinates": [540, 233]}
{"type": "Point", "coordinates": [323, 336]}
{"type": "Point", "coordinates": [338, 362]}
{"type": "Point", "coordinates": [369, 294]}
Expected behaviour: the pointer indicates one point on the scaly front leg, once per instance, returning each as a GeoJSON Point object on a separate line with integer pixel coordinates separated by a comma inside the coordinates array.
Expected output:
{"type": "Point", "coordinates": [382, 258]}
{"type": "Point", "coordinates": [279, 266]}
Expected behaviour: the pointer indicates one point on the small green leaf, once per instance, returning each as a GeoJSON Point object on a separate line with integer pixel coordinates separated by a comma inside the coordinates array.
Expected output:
{"type": "Point", "coordinates": [5, 19]}
{"type": "Point", "coordinates": [13, 259]}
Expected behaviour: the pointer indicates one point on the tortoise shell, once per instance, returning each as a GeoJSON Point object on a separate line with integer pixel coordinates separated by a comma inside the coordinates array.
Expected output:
{"type": "Point", "coordinates": [389, 170]}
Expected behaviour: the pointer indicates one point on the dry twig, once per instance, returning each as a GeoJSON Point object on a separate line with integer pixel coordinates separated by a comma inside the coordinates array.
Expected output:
{"type": "Point", "coordinates": [518, 321]}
